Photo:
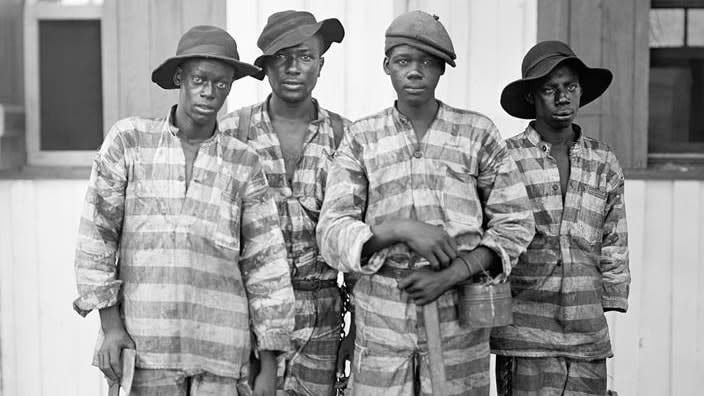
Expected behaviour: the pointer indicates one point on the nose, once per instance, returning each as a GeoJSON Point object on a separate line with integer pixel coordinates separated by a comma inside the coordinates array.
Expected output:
{"type": "Point", "coordinates": [292, 65]}
{"type": "Point", "coordinates": [208, 90]}
{"type": "Point", "coordinates": [415, 72]}
{"type": "Point", "coordinates": [561, 97]}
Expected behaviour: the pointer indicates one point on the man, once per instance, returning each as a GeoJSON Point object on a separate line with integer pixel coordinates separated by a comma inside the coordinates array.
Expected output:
{"type": "Point", "coordinates": [296, 138]}
{"type": "Point", "coordinates": [421, 196]}
{"type": "Point", "coordinates": [576, 267]}
{"type": "Point", "coordinates": [179, 244]}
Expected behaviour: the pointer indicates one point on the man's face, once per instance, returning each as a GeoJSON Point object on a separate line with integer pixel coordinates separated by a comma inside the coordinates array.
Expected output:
{"type": "Point", "coordinates": [414, 74]}
{"type": "Point", "coordinates": [204, 86]}
{"type": "Point", "coordinates": [294, 71]}
{"type": "Point", "coordinates": [556, 97]}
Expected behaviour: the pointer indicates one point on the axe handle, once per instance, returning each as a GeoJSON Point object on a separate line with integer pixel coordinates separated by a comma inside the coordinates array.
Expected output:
{"type": "Point", "coordinates": [437, 363]}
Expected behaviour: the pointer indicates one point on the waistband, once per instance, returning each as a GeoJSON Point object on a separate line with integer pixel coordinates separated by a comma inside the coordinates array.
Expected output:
{"type": "Point", "coordinates": [394, 272]}
{"type": "Point", "coordinates": [313, 284]}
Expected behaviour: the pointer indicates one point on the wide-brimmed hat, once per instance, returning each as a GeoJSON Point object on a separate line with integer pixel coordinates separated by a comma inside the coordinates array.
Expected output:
{"type": "Point", "coordinates": [540, 61]}
{"type": "Point", "coordinates": [423, 31]}
{"type": "Point", "coordinates": [290, 28]}
{"type": "Point", "coordinates": [203, 41]}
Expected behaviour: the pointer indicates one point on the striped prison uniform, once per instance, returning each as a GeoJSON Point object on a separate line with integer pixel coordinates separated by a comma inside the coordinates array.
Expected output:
{"type": "Point", "coordinates": [577, 265]}
{"type": "Point", "coordinates": [310, 368]}
{"type": "Point", "coordinates": [459, 177]}
{"type": "Point", "coordinates": [195, 271]}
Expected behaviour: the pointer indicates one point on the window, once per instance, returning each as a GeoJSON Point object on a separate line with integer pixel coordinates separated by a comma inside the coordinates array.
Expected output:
{"type": "Point", "coordinates": [63, 81]}
{"type": "Point", "coordinates": [676, 88]}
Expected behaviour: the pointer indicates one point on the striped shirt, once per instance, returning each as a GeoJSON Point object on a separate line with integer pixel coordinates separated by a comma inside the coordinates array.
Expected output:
{"type": "Point", "coordinates": [299, 202]}
{"type": "Point", "coordinates": [191, 269]}
{"type": "Point", "coordinates": [459, 177]}
{"type": "Point", "coordinates": [577, 264]}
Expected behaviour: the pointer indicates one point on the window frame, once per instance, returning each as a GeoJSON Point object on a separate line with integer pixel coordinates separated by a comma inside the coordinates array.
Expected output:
{"type": "Point", "coordinates": [34, 12]}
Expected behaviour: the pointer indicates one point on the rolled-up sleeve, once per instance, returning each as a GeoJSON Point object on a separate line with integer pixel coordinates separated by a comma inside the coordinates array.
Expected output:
{"type": "Point", "coordinates": [264, 267]}
{"type": "Point", "coordinates": [508, 218]}
{"type": "Point", "coordinates": [615, 273]}
{"type": "Point", "coordinates": [100, 228]}
{"type": "Point", "coordinates": [341, 231]}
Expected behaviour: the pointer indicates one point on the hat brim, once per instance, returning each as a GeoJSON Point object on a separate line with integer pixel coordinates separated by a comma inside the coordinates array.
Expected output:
{"type": "Point", "coordinates": [330, 30]}
{"type": "Point", "coordinates": [594, 82]}
{"type": "Point", "coordinates": [163, 75]}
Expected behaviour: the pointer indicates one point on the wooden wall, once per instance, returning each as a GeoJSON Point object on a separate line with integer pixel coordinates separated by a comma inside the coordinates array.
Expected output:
{"type": "Point", "coordinates": [611, 34]}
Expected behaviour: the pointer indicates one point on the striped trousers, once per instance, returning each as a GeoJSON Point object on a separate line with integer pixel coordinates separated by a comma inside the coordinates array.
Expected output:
{"type": "Point", "coordinates": [310, 368]}
{"type": "Point", "coordinates": [391, 354]}
{"type": "Point", "coordinates": [550, 376]}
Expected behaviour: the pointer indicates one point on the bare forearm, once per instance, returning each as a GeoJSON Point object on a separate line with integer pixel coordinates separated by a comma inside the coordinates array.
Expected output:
{"type": "Point", "coordinates": [110, 319]}
{"type": "Point", "coordinates": [384, 236]}
{"type": "Point", "coordinates": [481, 259]}
{"type": "Point", "coordinates": [268, 361]}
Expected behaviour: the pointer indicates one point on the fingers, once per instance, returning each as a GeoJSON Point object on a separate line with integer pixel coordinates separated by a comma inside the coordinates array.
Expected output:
{"type": "Point", "coordinates": [404, 283]}
{"type": "Point", "coordinates": [115, 362]}
{"type": "Point", "coordinates": [105, 367]}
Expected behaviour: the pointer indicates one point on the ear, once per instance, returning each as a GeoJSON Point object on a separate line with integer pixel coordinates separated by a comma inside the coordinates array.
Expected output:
{"type": "Point", "coordinates": [442, 68]}
{"type": "Point", "coordinates": [386, 66]}
{"type": "Point", "coordinates": [178, 76]}
{"type": "Point", "coordinates": [322, 63]}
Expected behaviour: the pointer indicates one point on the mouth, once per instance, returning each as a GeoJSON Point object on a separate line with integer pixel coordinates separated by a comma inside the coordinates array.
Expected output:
{"type": "Point", "coordinates": [292, 84]}
{"type": "Point", "coordinates": [413, 90]}
{"type": "Point", "coordinates": [563, 115]}
{"type": "Point", "coordinates": [203, 109]}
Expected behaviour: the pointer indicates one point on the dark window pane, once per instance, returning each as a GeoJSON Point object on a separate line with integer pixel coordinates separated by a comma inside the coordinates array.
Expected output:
{"type": "Point", "coordinates": [666, 27]}
{"type": "Point", "coordinates": [70, 85]}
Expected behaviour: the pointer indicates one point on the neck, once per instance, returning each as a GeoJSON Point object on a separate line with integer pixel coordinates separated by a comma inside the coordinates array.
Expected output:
{"type": "Point", "coordinates": [189, 129]}
{"type": "Point", "coordinates": [555, 136]}
{"type": "Point", "coordinates": [303, 110]}
{"type": "Point", "coordinates": [422, 112]}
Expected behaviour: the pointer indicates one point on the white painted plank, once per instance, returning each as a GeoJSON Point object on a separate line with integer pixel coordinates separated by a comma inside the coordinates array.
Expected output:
{"type": "Point", "coordinates": [699, 342]}
{"type": "Point", "coordinates": [8, 347]}
{"type": "Point", "coordinates": [27, 309]}
{"type": "Point", "coordinates": [656, 291]}
{"type": "Point", "coordinates": [626, 331]}
{"type": "Point", "coordinates": [684, 266]}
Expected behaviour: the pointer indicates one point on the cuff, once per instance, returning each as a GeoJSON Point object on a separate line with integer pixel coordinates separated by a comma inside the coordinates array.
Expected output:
{"type": "Point", "coordinates": [619, 304]}
{"type": "Point", "coordinates": [490, 242]}
{"type": "Point", "coordinates": [275, 340]}
{"type": "Point", "coordinates": [98, 298]}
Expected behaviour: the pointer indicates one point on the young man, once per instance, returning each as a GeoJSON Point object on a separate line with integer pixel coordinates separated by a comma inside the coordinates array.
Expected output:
{"type": "Point", "coordinates": [179, 244]}
{"type": "Point", "coordinates": [296, 138]}
{"type": "Point", "coordinates": [421, 196]}
{"type": "Point", "coordinates": [576, 267]}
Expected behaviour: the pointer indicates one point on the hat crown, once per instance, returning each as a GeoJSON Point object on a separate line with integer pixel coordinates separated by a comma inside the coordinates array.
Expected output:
{"type": "Point", "coordinates": [544, 50]}
{"type": "Point", "coordinates": [421, 26]}
{"type": "Point", "coordinates": [206, 41]}
{"type": "Point", "coordinates": [279, 23]}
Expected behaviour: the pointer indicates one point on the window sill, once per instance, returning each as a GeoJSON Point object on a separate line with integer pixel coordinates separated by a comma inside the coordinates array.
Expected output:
{"type": "Point", "coordinates": [667, 172]}
{"type": "Point", "coordinates": [46, 172]}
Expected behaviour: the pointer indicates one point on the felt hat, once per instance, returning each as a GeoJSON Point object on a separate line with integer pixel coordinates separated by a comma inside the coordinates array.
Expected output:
{"type": "Point", "coordinates": [423, 31]}
{"type": "Point", "coordinates": [539, 62]}
{"type": "Point", "coordinates": [207, 42]}
{"type": "Point", "coordinates": [289, 28]}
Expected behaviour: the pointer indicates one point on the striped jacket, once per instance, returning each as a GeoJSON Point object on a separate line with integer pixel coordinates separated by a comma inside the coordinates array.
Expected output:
{"type": "Point", "coordinates": [191, 268]}
{"type": "Point", "coordinates": [459, 177]}
{"type": "Point", "coordinates": [577, 264]}
{"type": "Point", "coordinates": [299, 202]}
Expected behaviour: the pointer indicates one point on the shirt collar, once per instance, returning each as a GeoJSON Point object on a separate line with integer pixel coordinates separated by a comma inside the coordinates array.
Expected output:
{"type": "Point", "coordinates": [403, 120]}
{"type": "Point", "coordinates": [535, 138]}
{"type": "Point", "coordinates": [263, 111]}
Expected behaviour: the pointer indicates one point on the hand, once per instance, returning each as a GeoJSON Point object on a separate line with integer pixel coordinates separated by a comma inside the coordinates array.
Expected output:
{"type": "Point", "coordinates": [345, 353]}
{"type": "Point", "coordinates": [425, 285]}
{"type": "Point", "coordinates": [429, 241]}
{"type": "Point", "coordinates": [265, 380]}
{"type": "Point", "coordinates": [110, 352]}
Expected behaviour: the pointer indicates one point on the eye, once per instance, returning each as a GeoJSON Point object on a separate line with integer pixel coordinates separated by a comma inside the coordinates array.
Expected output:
{"type": "Point", "coordinates": [572, 87]}
{"type": "Point", "coordinates": [197, 79]}
{"type": "Point", "coordinates": [221, 85]}
{"type": "Point", "coordinates": [402, 61]}
{"type": "Point", "coordinates": [280, 58]}
{"type": "Point", "coordinates": [428, 61]}
{"type": "Point", "coordinates": [306, 58]}
{"type": "Point", "coordinates": [548, 91]}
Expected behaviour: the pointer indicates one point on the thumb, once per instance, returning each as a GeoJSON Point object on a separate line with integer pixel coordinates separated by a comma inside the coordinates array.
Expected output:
{"type": "Point", "coordinates": [407, 281]}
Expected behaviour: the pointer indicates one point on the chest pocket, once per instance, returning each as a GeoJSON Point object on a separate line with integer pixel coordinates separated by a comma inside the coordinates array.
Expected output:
{"type": "Point", "coordinates": [227, 199]}
{"type": "Point", "coordinates": [459, 193]}
{"type": "Point", "coordinates": [590, 216]}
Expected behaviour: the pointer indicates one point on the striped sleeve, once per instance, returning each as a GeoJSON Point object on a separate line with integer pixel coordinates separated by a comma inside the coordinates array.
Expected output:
{"type": "Point", "coordinates": [616, 276]}
{"type": "Point", "coordinates": [341, 232]}
{"type": "Point", "coordinates": [100, 228]}
{"type": "Point", "coordinates": [508, 216]}
{"type": "Point", "coordinates": [264, 267]}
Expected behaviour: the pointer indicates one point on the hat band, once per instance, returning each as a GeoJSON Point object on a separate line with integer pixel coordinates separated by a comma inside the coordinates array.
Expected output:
{"type": "Point", "coordinates": [416, 39]}
{"type": "Point", "coordinates": [209, 49]}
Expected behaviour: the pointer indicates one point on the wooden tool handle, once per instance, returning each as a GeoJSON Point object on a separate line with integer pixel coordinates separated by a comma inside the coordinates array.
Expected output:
{"type": "Point", "coordinates": [437, 363]}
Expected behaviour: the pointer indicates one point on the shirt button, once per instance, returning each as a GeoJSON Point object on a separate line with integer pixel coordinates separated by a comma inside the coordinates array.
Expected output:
{"type": "Point", "coordinates": [555, 187]}
{"type": "Point", "coordinates": [418, 154]}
